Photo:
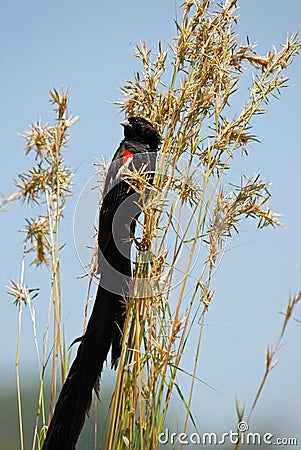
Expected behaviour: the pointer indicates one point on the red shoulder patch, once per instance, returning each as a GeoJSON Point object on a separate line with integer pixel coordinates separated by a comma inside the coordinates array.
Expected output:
{"type": "Point", "coordinates": [126, 155]}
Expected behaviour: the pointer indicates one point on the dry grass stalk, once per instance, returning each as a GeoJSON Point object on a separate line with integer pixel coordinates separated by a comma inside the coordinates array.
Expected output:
{"type": "Point", "coordinates": [48, 184]}
{"type": "Point", "coordinates": [187, 92]}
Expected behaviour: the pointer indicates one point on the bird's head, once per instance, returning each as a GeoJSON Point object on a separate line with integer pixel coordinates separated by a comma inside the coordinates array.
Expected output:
{"type": "Point", "coordinates": [137, 128]}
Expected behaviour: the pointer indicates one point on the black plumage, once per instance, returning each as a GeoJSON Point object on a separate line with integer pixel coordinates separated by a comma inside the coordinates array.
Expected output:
{"type": "Point", "coordinates": [117, 221]}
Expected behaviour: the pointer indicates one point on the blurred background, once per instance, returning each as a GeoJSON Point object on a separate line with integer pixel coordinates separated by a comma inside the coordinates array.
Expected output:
{"type": "Point", "coordinates": [88, 46]}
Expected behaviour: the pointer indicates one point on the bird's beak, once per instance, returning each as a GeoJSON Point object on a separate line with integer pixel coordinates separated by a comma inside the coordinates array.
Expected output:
{"type": "Point", "coordinates": [125, 123]}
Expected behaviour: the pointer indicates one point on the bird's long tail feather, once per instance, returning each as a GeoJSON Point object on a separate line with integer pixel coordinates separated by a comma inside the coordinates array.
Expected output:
{"type": "Point", "coordinates": [76, 394]}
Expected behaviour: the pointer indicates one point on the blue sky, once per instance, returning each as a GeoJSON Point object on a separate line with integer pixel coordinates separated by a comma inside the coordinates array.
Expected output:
{"type": "Point", "coordinates": [88, 46]}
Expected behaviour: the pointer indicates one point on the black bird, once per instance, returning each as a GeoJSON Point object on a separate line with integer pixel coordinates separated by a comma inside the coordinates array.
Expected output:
{"type": "Point", "coordinates": [117, 221]}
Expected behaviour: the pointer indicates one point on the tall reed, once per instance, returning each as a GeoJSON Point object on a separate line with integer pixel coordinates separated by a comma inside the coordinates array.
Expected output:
{"type": "Point", "coordinates": [46, 186]}
{"type": "Point", "coordinates": [187, 90]}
